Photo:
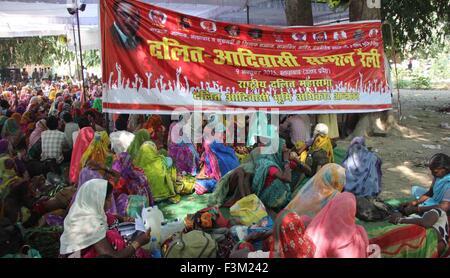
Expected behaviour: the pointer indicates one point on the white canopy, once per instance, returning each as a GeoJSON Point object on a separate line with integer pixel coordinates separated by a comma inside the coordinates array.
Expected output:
{"type": "Point", "coordinates": [25, 18]}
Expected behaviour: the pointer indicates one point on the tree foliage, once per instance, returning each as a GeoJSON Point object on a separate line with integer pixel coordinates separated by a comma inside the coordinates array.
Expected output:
{"type": "Point", "coordinates": [49, 50]}
{"type": "Point", "coordinates": [418, 25]}
{"type": "Point", "coordinates": [91, 58]}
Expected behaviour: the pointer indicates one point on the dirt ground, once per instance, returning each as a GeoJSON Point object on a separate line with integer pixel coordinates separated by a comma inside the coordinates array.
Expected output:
{"type": "Point", "coordinates": [402, 151]}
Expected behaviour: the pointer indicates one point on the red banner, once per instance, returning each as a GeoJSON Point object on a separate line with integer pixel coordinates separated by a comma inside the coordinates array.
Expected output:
{"type": "Point", "coordinates": [156, 60]}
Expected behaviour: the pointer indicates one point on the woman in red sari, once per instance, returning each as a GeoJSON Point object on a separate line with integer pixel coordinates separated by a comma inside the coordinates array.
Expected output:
{"type": "Point", "coordinates": [287, 240]}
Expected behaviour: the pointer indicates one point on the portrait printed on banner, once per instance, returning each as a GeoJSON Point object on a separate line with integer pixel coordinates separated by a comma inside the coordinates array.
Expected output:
{"type": "Point", "coordinates": [126, 24]}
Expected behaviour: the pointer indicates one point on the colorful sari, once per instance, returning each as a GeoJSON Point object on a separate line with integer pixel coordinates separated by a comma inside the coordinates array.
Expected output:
{"type": "Point", "coordinates": [98, 150]}
{"type": "Point", "coordinates": [2, 121]}
{"type": "Point", "coordinates": [17, 117]}
{"type": "Point", "coordinates": [160, 176]}
{"type": "Point", "coordinates": [218, 160]}
{"type": "Point", "coordinates": [7, 170]}
{"type": "Point", "coordinates": [319, 190]}
{"type": "Point", "coordinates": [36, 134]}
{"type": "Point", "coordinates": [277, 194]}
{"type": "Point", "coordinates": [323, 142]}
{"type": "Point", "coordinates": [79, 147]}
{"type": "Point", "coordinates": [289, 239]}
{"type": "Point", "coordinates": [220, 195]}
{"type": "Point", "coordinates": [157, 131]}
{"type": "Point", "coordinates": [405, 241]}
{"type": "Point", "coordinates": [140, 137]}
{"type": "Point", "coordinates": [97, 105]}
{"type": "Point", "coordinates": [184, 155]}
{"type": "Point", "coordinates": [362, 170]}
{"type": "Point", "coordinates": [11, 131]}
{"type": "Point", "coordinates": [133, 180]}
{"type": "Point", "coordinates": [334, 231]}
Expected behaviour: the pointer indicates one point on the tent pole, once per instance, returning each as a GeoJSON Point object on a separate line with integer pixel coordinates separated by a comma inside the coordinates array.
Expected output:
{"type": "Point", "coordinates": [248, 12]}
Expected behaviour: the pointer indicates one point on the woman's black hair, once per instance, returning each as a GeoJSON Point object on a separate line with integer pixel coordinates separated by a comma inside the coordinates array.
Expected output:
{"type": "Point", "coordinates": [109, 190]}
{"type": "Point", "coordinates": [440, 160]}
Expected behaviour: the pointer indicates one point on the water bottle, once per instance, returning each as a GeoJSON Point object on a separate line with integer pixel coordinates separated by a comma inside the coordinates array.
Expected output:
{"type": "Point", "coordinates": [171, 227]}
{"type": "Point", "coordinates": [155, 249]}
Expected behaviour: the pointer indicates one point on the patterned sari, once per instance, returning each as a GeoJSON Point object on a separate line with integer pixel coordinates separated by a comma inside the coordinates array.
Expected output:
{"type": "Point", "coordinates": [319, 190]}
{"type": "Point", "coordinates": [277, 194]}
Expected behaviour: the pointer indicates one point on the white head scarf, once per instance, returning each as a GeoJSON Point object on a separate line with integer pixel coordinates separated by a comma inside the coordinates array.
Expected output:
{"type": "Point", "coordinates": [85, 224]}
{"type": "Point", "coordinates": [321, 129]}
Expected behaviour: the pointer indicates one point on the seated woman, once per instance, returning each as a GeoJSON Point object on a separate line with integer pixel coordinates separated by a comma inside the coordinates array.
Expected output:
{"type": "Point", "coordinates": [98, 151]}
{"type": "Point", "coordinates": [161, 174]}
{"type": "Point", "coordinates": [141, 136]}
{"type": "Point", "coordinates": [132, 182]}
{"type": "Point", "coordinates": [438, 196]}
{"type": "Point", "coordinates": [11, 132]}
{"type": "Point", "coordinates": [319, 190]}
{"type": "Point", "coordinates": [272, 178]}
{"type": "Point", "coordinates": [287, 240]}
{"type": "Point", "coordinates": [157, 130]}
{"type": "Point", "coordinates": [362, 170]}
{"type": "Point", "coordinates": [320, 152]}
{"type": "Point", "coordinates": [86, 226]}
{"type": "Point", "coordinates": [19, 194]}
{"type": "Point", "coordinates": [334, 232]}
{"type": "Point", "coordinates": [216, 161]}
{"type": "Point", "coordinates": [80, 145]}
{"type": "Point", "coordinates": [182, 151]}
{"type": "Point", "coordinates": [236, 184]}
{"type": "Point", "coordinates": [34, 144]}
{"type": "Point", "coordinates": [8, 172]}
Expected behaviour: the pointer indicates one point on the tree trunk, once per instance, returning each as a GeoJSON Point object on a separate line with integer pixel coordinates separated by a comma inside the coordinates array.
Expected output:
{"type": "Point", "coordinates": [370, 124]}
{"type": "Point", "coordinates": [361, 10]}
{"type": "Point", "coordinates": [299, 12]}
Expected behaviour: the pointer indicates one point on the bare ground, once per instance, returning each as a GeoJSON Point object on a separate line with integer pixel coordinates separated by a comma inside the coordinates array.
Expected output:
{"type": "Point", "coordinates": [402, 152]}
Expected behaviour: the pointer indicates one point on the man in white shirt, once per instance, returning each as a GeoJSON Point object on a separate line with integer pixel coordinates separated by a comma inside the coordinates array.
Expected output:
{"type": "Point", "coordinates": [121, 139]}
{"type": "Point", "coordinates": [54, 142]}
{"type": "Point", "coordinates": [70, 127]}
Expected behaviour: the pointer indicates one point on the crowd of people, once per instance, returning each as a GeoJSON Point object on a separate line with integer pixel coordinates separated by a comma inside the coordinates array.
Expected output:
{"type": "Point", "coordinates": [61, 164]}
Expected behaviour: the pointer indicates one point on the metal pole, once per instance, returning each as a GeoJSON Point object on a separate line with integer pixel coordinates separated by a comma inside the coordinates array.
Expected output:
{"type": "Point", "coordinates": [248, 13]}
{"type": "Point", "coordinates": [81, 56]}
{"type": "Point", "coordinates": [76, 51]}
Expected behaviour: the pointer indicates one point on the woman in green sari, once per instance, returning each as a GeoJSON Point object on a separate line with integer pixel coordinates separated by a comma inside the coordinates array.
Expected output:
{"type": "Point", "coordinates": [141, 136]}
{"type": "Point", "coordinates": [271, 182]}
{"type": "Point", "coordinates": [97, 105]}
{"type": "Point", "coordinates": [161, 174]}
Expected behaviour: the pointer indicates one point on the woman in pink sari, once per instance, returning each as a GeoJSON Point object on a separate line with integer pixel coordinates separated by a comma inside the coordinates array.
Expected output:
{"type": "Point", "coordinates": [334, 232]}
{"type": "Point", "coordinates": [79, 147]}
{"type": "Point", "coordinates": [41, 126]}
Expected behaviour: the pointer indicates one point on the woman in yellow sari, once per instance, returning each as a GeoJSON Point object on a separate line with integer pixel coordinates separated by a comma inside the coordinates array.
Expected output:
{"type": "Point", "coordinates": [319, 190]}
{"type": "Point", "coordinates": [98, 151]}
{"type": "Point", "coordinates": [160, 172]}
{"type": "Point", "coordinates": [319, 153]}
